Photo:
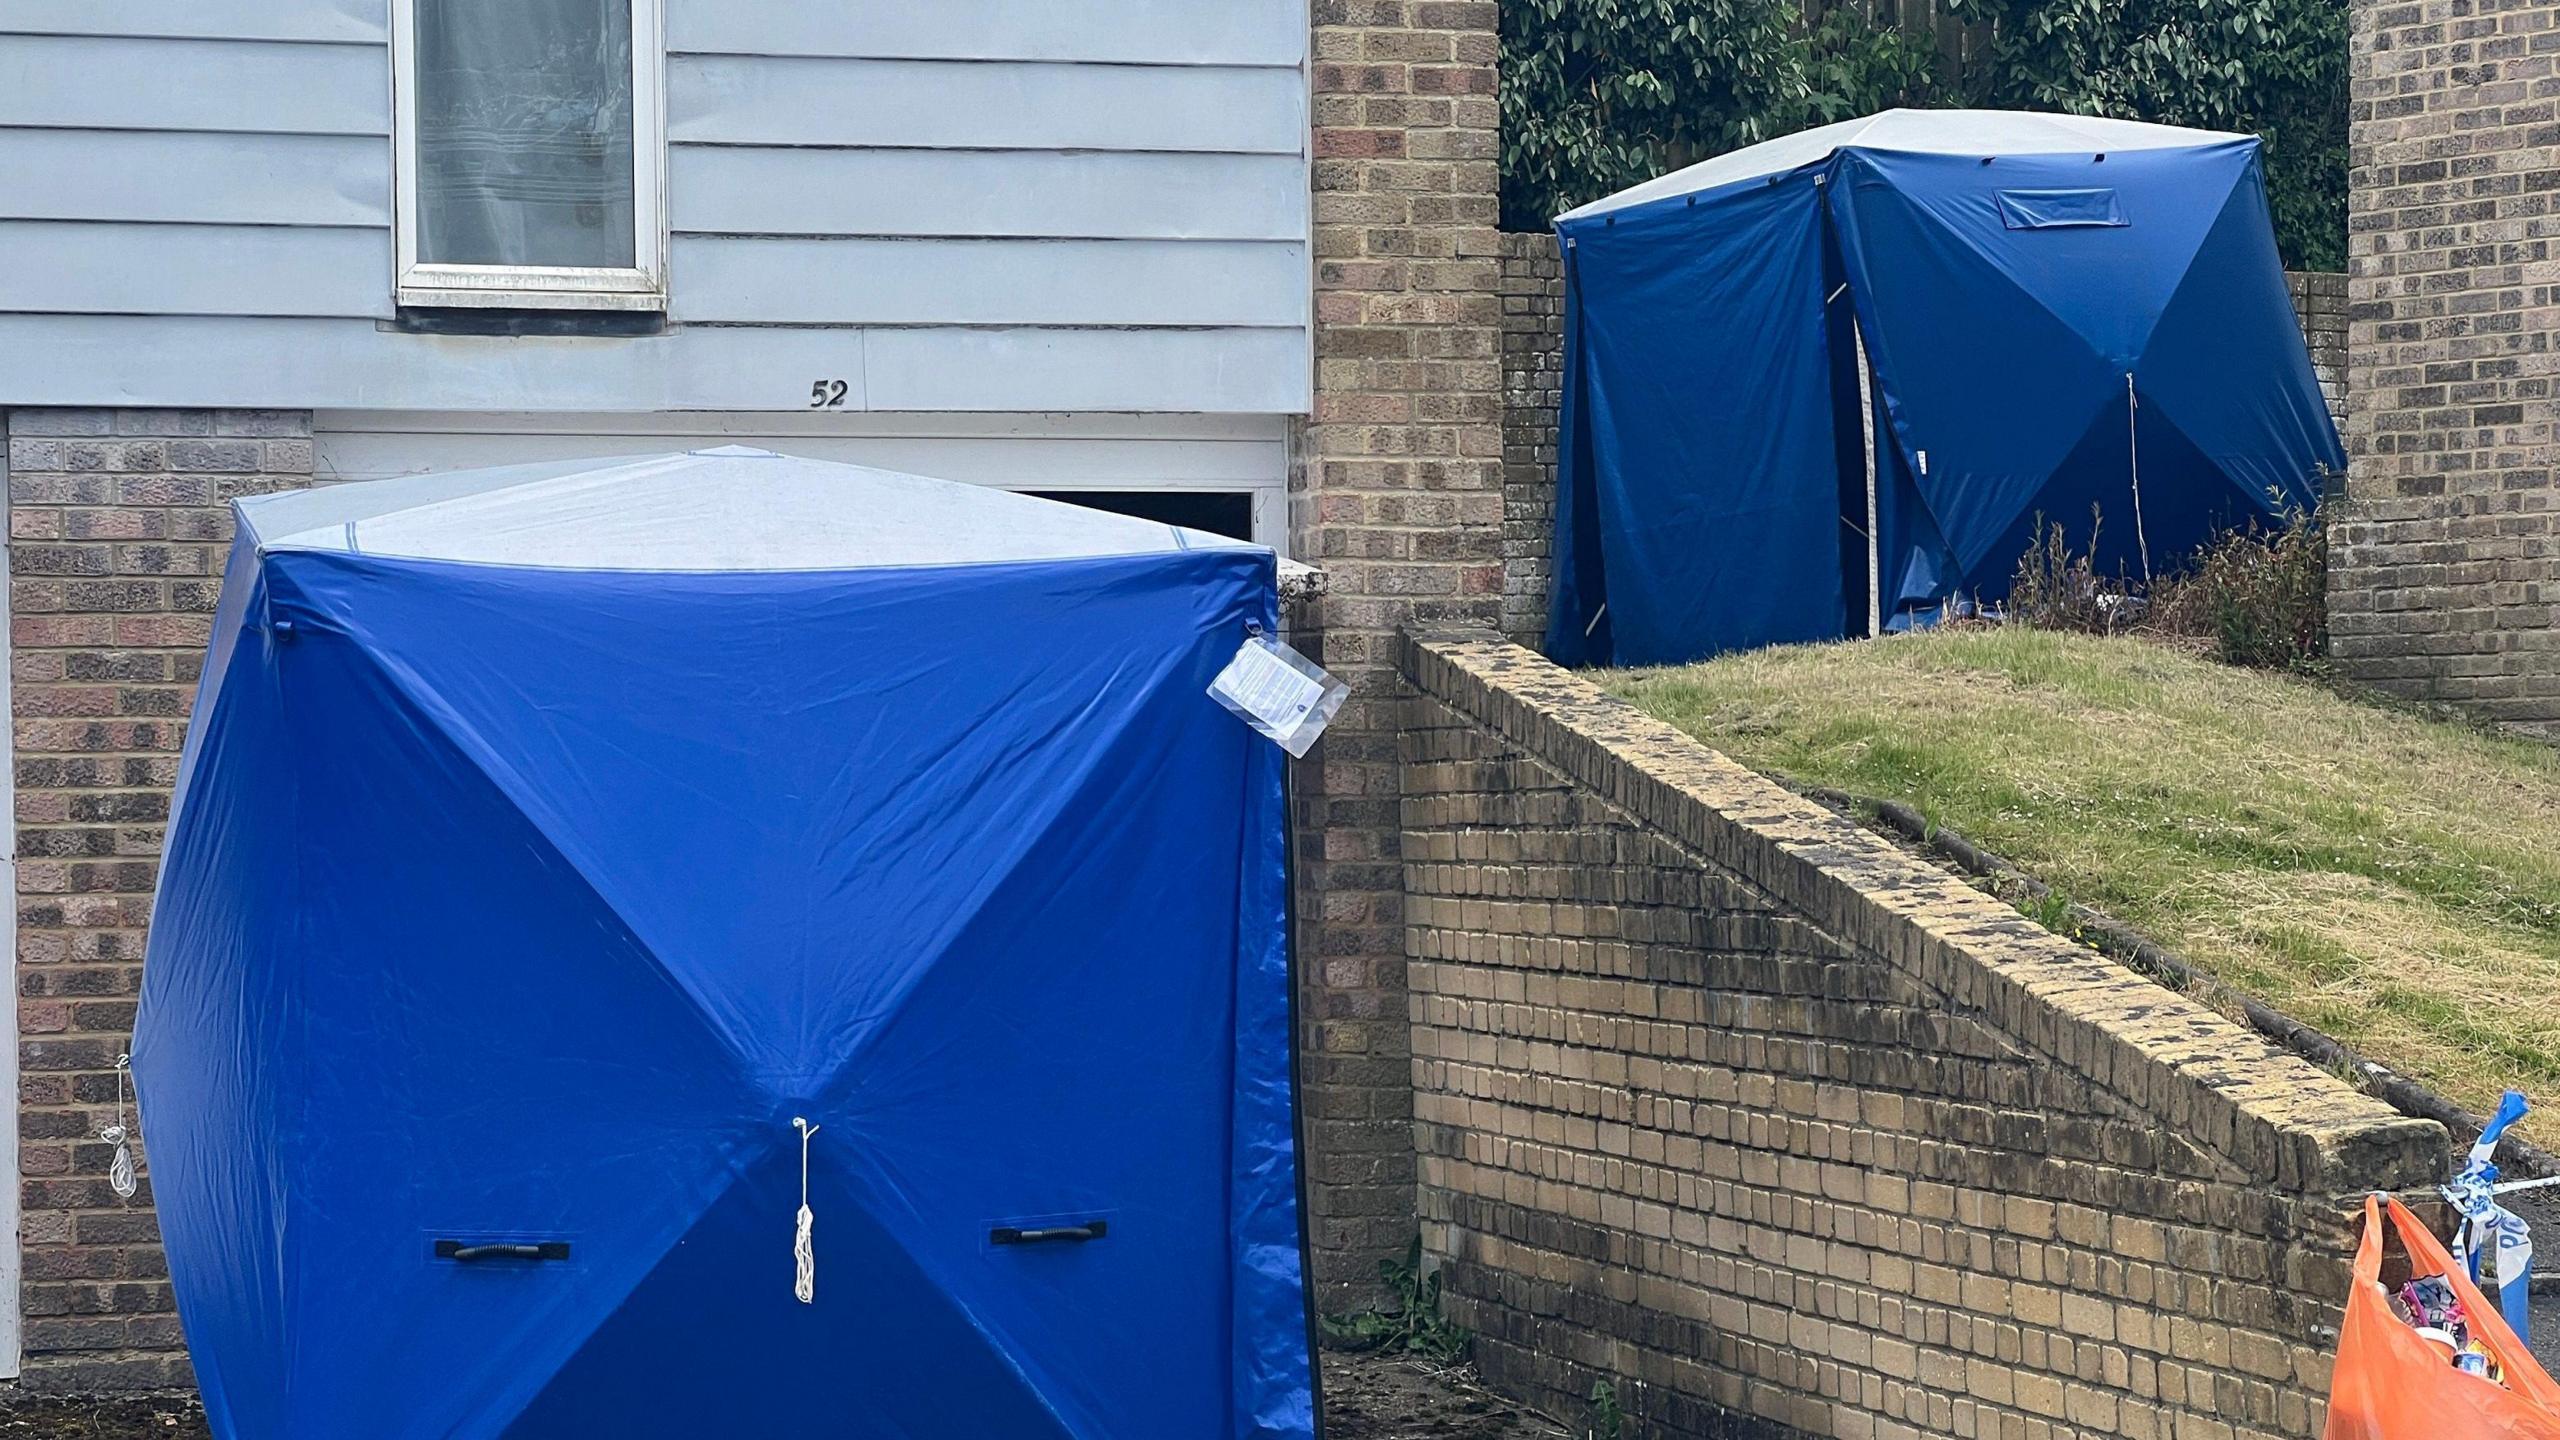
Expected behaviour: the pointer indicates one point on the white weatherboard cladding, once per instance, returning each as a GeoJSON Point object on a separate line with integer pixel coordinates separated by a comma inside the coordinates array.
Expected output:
{"type": "Point", "coordinates": [207, 19]}
{"type": "Point", "coordinates": [311, 181]}
{"type": "Point", "coordinates": [243, 87]}
{"type": "Point", "coordinates": [124, 269]}
{"type": "Point", "coordinates": [1927, 132]}
{"type": "Point", "coordinates": [1149, 195]}
{"type": "Point", "coordinates": [201, 178]}
{"type": "Point", "coordinates": [1006, 105]}
{"type": "Point", "coordinates": [1133, 32]}
{"type": "Point", "coordinates": [358, 364]}
{"type": "Point", "coordinates": [975, 205]}
{"type": "Point", "coordinates": [118, 268]}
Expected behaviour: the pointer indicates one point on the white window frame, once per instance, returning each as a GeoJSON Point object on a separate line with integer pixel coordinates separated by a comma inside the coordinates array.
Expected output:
{"type": "Point", "coordinates": [540, 287]}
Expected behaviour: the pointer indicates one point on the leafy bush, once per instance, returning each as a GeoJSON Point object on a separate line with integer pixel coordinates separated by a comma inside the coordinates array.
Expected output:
{"type": "Point", "coordinates": [1599, 94]}
{"type": "Point", "coordinates": [2259, 595]}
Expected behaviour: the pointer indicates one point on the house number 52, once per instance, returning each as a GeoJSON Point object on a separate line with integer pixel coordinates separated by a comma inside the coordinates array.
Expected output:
{"type": "Point", "coordinates": [826, 395]}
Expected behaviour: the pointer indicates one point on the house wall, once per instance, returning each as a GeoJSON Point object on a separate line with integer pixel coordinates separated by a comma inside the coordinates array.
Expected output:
{"type": "Point", "coordinates": [118, 523]}
{"type": "Point", "coordinates": [2444, 570]}
{"type": "Point", "coordinates": [1732, 1104]}
{"type": "Point", "coordinates": [969, 205]}
{"type": "Point", "coordinates": [1395, 490]}
{"type": "Point", "coordinates": [119, 529]}
{"type": "Point", "coordinates": [1532, 387]}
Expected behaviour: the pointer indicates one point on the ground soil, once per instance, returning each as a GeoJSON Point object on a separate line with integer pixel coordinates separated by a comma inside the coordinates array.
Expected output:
{"type": "Point", "coordinates": [33, 1418]}
{"type": "Point", "coordinates": [1383, 1397]}
{"type": "Point", "coordinates": [1367, 1397]}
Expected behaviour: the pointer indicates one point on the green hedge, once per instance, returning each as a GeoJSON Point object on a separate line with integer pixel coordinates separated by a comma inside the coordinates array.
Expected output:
{"type": "Point", "coordinates": [1599, 94]}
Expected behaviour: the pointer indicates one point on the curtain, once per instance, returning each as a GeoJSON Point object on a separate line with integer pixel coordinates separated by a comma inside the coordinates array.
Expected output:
{"type": "Point", "coordinates": [524, 132]}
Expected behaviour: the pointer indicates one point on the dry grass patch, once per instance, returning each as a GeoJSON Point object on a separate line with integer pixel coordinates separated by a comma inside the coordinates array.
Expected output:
{"type": "Point", "coordinates": [2391, 879]}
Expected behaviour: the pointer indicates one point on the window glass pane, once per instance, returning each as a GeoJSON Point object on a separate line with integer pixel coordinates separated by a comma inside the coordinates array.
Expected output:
{"type": "Point", "coordinates": [524, 132]}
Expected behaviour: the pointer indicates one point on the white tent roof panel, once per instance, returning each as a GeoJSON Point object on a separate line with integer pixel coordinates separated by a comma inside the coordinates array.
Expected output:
{"type": "Point", "coordinates": [731, 508]}
{"type": "Point", "coordinates": [1926, 132]}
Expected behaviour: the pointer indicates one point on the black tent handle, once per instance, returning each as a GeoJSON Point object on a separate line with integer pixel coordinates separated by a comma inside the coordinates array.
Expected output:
{"type": "Point", "coordinates": [457, 1251]}
{"type": "Point", "coordinates": [1016, 1235]}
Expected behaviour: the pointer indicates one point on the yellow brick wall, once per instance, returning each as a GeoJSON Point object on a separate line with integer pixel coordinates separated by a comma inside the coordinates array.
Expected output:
{"type": "Point", "coordinates": [1723, 1100]}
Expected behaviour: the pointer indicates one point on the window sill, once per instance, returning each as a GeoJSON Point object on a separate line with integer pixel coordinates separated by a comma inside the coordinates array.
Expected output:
{"type": "Point", "coordinates": [423, 297]}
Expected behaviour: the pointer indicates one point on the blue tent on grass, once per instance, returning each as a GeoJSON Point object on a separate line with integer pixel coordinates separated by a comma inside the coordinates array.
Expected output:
{"type": "Point", "coordinates": [550, 839]}
{"type": "Point", "coordinates": [2053, 312]}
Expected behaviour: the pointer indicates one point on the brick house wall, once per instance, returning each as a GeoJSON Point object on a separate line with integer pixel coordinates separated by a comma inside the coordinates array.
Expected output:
{"type": "Point", "coordinates": [2445, 561]}
{"type": "Point", "coordinates": [118, 525]}
{"type": "Point", "coordinates": [2320, 303]}
{"type": "Point", "coordinates": [1532, 387]}
{"type": "Point", "coordinates": [1780, 1131]}
{"type": "Point", "coordinates": [1396, 493]}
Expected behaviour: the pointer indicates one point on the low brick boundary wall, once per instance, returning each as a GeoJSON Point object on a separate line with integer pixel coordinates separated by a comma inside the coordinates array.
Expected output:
{"type": "Point", "coordinates": [1725, 1101]}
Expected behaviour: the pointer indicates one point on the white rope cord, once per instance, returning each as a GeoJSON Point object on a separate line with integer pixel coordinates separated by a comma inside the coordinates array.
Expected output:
{"type": "Point", "coordinates": [120, 1176]}
{"type": "Point", "coordinates": [804, 1255]}
{"type": "Point", "coordinates": [2133, 455]}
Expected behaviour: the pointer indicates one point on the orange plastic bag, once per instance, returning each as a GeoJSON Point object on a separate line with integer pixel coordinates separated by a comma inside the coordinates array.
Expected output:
{"type": "Point", "coordinates": [2391, 1384]}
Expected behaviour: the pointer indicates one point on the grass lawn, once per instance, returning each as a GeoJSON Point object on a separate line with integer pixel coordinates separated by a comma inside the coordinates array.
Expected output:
{"type": "Point", "coordinates": [2392, 880]}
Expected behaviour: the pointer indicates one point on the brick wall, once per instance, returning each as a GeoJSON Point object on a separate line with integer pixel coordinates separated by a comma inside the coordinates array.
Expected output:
{"type": "Point", "coordinates": [1728, 1102]}
{"type": "Point", "coordinates": [1396, 492]}
{"type": "Point", "coordinates": [118, 521]}
{"type": "Point", "coordinates": [2320, 302]}
{"type": "Point", "coordinates": [1532, 388]}
{"type": "Point", "coordinates": [2445, 562]}
{"type": "Point", "coordinates": [1533, 377]}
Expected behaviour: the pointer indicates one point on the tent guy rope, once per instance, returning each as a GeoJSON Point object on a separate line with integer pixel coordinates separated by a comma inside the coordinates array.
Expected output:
{"type": "Point", "coordinates": [2133, 462]}
{"type": "Point", "coordinates": [802, 1241]}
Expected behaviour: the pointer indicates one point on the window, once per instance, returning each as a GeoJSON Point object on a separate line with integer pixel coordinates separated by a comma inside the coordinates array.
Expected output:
{"type": "Point", "coordinates": [2061, 210]}
{"type": "Point", "coordinates": [529, 152]}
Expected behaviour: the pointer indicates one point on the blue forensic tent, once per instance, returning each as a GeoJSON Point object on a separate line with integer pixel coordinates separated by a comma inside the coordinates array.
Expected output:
{"type": "Point", "coordinates": [549, 838]}
{"type": "Point", "coordinates": [2054, 312]}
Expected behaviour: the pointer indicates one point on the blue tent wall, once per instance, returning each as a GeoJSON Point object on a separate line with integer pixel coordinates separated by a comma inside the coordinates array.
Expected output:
{"type": "Point", "coordinates": [521, 903]}
{"type": "Point", "coordinates": [2224, 364]}
{"type": "Point", "coordinates": [1701, 479]}
{"type": "Point", "coordinates": [1697, 479]}
{"type": "Point", "coordinates": [218, 1181]}
{"type": "Point", "coordinates": [2005, 354]}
